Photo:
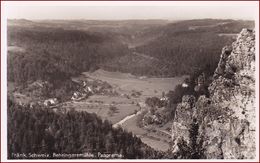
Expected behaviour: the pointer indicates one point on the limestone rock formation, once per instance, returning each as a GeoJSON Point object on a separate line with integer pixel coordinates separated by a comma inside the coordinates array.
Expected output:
{"type": "Point", "coordinates": [235, 90]}
{"type": "Point", "coordinates": [183, 119]}
{"type": "Point", "coordinates": [227, 118]}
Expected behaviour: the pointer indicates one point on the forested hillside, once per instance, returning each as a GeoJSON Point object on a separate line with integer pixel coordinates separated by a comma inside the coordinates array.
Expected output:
{"type": "Point", "coordinates": [189, 45]}
{"type": "Point", "coordinates": [55, 51]}
{"type": "Point", "coordinates": [55, 54]}
{"type": "Point", "coordinates": [42, 131]}
{"type": "Point", "coordinates": [58, 50]}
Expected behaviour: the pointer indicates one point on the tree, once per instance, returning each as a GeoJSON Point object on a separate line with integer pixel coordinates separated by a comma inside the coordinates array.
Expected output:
{"type": "Point", "coordinates": [41, 130]}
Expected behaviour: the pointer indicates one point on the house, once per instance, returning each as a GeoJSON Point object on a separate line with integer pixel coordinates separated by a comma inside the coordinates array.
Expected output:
{"type": "Point", "coordinates": [163, 99]}
{"type": "Point", "coordinates": [84, 83]}
{"type": "Point", "coordinates": [51, 102]}
{"type": "Point", "coordinates": [143, 77]}
{"type": "Point", "coordinates": [201, 79]}
{"type": "Point", "coordinates": [78, 96]}
{"type": "Point", "coordinates": [90, 90]}
{"type": "Point", "coordinates": [185, 85]}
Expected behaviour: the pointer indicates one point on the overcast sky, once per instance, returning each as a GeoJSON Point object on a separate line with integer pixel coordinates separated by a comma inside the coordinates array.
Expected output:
{"type": "Point", "coordinates": [135, 10]}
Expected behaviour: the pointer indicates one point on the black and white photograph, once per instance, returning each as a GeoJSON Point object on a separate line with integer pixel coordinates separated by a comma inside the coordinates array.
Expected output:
{"type": "Point", "coordinates": [129, 80]}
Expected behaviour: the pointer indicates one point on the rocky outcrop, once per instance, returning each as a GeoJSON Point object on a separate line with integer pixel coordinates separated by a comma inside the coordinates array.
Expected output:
{"type": "Point", "coordinates": [234, 90]}
{"type": "Point", "coordinates": [227, 118]}
{"type": "Point", "coordinates": [183, 119]}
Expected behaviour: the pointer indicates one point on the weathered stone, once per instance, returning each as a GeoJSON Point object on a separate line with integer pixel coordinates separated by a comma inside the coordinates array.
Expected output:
{"type": "Point", "coordinates": [227, 118]}
{"type": "Point", "coordinates": [238, 94]}
{"type": "Point", "coordinates": [183, 119]}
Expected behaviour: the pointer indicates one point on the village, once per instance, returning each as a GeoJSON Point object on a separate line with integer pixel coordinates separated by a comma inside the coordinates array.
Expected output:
{"type": "Point", "coordinates": [135, 104]}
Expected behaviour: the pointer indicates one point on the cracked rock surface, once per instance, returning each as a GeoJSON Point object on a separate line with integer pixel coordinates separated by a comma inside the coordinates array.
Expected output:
{"type": "Point", "coordinates": [227, 118]}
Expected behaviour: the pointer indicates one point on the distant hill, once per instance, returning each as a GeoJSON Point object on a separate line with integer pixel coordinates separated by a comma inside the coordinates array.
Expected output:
{"type": "Point", "coordinates": [141, 47]}
{"type": "Point", "coordinates": [53, 54]}
{"type": "Point", "coordinates": [178, 47]}
{"type": "Point", "coordinates": [19, 22]}
{"type": "Point", "coordinates": [187, 45]}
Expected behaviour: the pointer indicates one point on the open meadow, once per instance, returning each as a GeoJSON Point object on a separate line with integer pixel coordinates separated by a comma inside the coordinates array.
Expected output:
{"type": "Point", "coordinates": [132, 92]}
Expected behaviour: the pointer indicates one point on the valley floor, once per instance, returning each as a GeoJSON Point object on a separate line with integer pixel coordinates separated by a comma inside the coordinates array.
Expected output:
{"type": "Point", "coordinates": [128, 107]}
{"type": "Point", "coordinates": [123, 107]}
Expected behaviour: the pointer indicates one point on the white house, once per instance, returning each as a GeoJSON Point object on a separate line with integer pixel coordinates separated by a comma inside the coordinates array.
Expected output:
{"type": "Point", "coordinates": [50, 102]}
{"type": "Point", "coordinates": [184, 85]}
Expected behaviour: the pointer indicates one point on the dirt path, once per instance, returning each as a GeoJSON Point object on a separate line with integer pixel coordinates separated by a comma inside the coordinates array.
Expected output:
{"type": "Point", "coordinates": [120, 123]}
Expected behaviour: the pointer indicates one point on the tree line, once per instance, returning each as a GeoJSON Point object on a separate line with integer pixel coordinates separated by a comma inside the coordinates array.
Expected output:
{"type": "Point", "coordinates": [44, 131]}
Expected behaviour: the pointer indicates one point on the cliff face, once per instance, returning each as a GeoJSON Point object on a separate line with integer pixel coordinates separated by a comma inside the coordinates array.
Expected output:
{"type": "Point", "coordinates": [226, 119]}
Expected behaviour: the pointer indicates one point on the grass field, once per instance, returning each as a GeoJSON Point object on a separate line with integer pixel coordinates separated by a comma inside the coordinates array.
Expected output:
{"type": "Point", "coordinates": [126, 104]}
{"type": "Point", "coordinates": [126, 83]}
{"type": "Point", "coordinates": [101, 106]}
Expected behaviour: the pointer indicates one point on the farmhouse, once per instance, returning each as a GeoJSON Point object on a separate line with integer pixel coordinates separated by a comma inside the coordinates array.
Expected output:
{"type": "Point", "coordinates": [184, 85]}
{"type": "Point", "coordinates": [51, 102]}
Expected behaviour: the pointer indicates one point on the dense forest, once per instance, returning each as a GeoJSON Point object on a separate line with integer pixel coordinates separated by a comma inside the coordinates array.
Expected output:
{"type": "Point", "coordinates": [55, 54]}
{"type": "Point", "coordinates": [41, 130]}
{"type": "Point", "coordinates": [189, 45]}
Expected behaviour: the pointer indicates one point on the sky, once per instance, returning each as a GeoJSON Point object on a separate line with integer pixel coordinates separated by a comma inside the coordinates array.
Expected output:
{"type": "Point", "coordinates": [132, 10]}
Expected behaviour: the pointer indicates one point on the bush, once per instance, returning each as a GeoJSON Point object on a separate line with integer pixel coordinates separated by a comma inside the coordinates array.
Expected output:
{"type": "Point", "coordinates": [153, 102]}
